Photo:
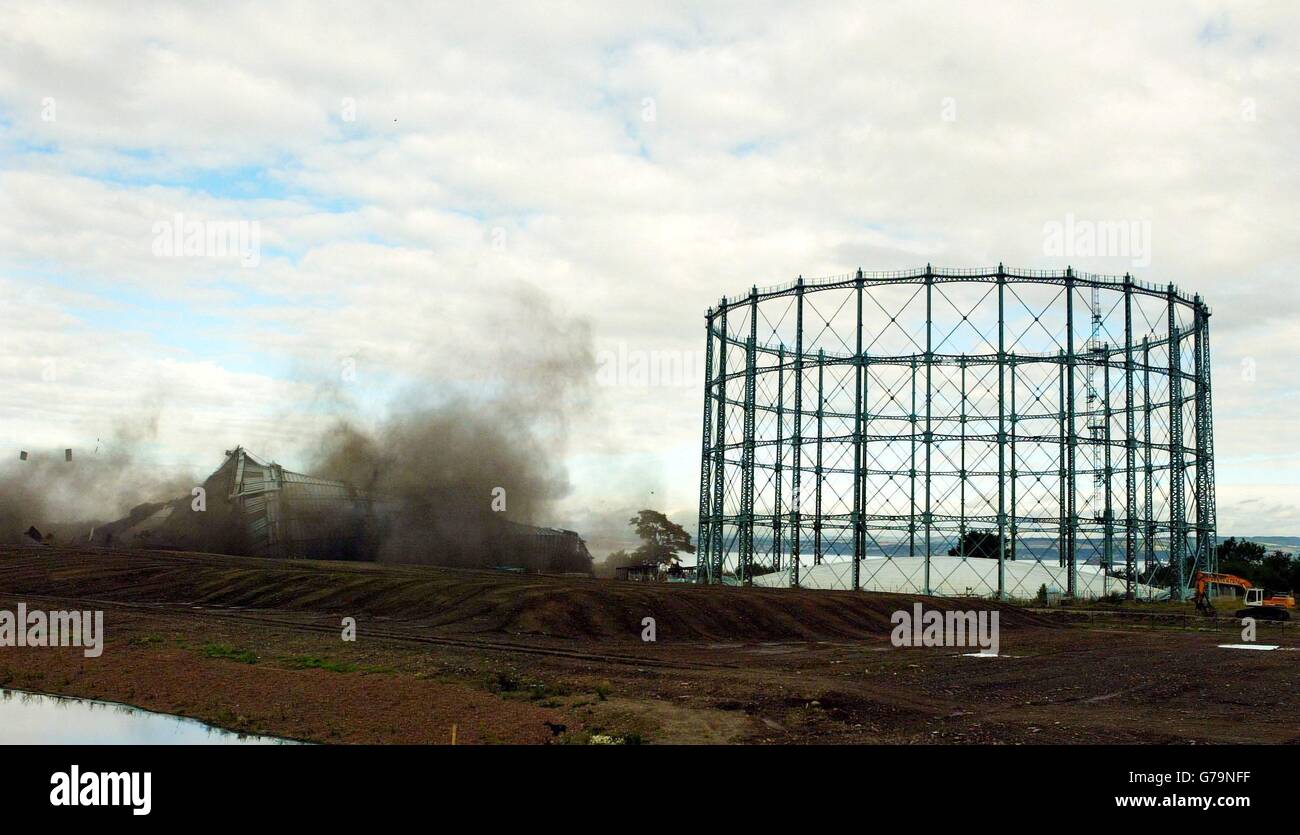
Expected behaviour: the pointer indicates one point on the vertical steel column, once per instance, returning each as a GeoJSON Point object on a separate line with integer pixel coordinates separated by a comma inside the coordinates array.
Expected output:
{"type": "Point", "coordinates": [1207, 429]}
{"type": "Point", "coordinates": [928, 516]}
{"type": "Point", "coordinates": [1177, 518]}
{"type": "Point", "coordinates": [1149, 522]}
{"type": "Point", "coordinates": [1108, 512]}
{"type": "Point", "coordinates": [1014, 464]}
{"type": "Point", "coordinates": [747, 465]}
{"type": "Point", "coordinates": [1062, 502]}
{"type": "Point", "coordinates": [720, 449]}
{"type": "Point", "coordinates": [866, 448]}
{"type": "Point", "coordinates": [1002, 439]}
{"type": "Point", "coordinates": [775, 552]}
{"type": "Point", "coordinates": [961, 473]}
{"type": "Point", "coordinates": [911, 516]}
{"type": "Point", "coordinates": [1072, 531]}
{"type": "Point", "coordinates": [796, 539]}
{"type": "Point", "coordinates": [1204, 549]}
{"type": "Point", "coordinates": [702, 560]}
{"type": "Point", "coordinates": [821, 414]}
{"type": "Point", "coordinates": [857, 445]}
{"type": "Point", "coordinates": [1130, 447]}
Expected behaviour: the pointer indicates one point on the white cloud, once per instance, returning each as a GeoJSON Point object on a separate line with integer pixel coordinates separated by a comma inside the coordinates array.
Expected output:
{"type": "Point", "coordinates": [500, 147]}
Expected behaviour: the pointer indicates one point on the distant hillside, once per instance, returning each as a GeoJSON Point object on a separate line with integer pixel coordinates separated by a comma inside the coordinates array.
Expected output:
{"type": "Point", "coordinates": [1286, 544]}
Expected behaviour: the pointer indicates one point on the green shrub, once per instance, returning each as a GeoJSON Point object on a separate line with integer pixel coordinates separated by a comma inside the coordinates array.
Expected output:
{"type": "Point", "coordinates": [243, 656]}
{"type": "Point", "coordinates": [312, 662]}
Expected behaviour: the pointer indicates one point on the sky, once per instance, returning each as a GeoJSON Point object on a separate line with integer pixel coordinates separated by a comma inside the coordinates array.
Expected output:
{"type": "Point", "coordinates": [448, 197]}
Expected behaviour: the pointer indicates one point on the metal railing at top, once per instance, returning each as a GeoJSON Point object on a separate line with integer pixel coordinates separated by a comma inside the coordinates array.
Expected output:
{"type": "Point", "coordinates": [1117, 281]}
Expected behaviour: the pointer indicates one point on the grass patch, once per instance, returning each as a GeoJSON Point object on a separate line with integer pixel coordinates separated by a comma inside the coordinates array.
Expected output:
{"type": "Point", "coordinates": [501, 682]}
{"type": "Point", "coordinates": [313, 662]}
{"type": "Point", "coordinates": [509, 686]}
{"type": "Point", "coordinates": [546, 692]}
{"type": "Point", "coordinates": [243, 656]}
{"type": "Point", "coordinates": [1117, 602]}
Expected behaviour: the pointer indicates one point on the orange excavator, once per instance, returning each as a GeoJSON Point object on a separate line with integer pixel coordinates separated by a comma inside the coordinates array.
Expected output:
{"type": "Point", "coordinates": [1260, 604]}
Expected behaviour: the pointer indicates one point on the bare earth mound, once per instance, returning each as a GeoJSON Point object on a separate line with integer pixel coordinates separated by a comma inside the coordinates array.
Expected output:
{"type": "Point", "coordinates": [254, 645]}
{"type": "Point", "coordinates": [466, 602]}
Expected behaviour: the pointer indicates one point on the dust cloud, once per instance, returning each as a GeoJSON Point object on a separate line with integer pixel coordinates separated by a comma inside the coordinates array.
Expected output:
{"type": "Point", "coordinates": [487, 427]}
{"type": "Point", "coordinates": [442, 471]}
{"type": "Point", "coordinates": [69, 497]}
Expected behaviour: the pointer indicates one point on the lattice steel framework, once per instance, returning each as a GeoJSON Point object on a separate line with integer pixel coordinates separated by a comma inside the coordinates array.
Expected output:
{"type": "Point", "coordinates": [865, 431]}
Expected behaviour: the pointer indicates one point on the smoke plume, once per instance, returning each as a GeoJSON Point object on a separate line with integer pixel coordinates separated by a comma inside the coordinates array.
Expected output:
{"type": "Point", "coordinates": [51, 493]}
{"type": "Point", "coordinates": [450, 472]}
{"type": "Point", "coordinates": [481, 441]}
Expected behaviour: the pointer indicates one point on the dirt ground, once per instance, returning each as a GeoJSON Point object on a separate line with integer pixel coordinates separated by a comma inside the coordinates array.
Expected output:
{"type": "Point", "coordinates": [255, 646]}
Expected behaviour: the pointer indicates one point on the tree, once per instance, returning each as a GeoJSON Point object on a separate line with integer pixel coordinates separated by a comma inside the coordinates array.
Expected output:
{"type": "Point", "coordinates": [1278, 571]}
{"type": "Point", "coordinates": [616, 559]}
{"type": "Point", "coordinates": [661, 539]}
{"type": "Point", "coordinates": [1238, 552]}
{"type": "Point", "coordinates": [979, 544]}
{"type": "Point", "coordinates": [619, 559]}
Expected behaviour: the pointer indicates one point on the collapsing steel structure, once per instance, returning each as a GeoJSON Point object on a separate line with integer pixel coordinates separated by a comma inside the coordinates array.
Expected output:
{"type": "Point", "coordinates": [955, 431]}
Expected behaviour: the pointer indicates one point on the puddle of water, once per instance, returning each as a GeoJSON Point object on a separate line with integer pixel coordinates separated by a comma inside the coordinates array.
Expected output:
{"type": "Point", "coordinates": [38, 719]}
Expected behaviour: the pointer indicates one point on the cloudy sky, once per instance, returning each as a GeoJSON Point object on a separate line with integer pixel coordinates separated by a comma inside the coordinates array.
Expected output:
{"type": "Point", "coordinates": [462, 196]}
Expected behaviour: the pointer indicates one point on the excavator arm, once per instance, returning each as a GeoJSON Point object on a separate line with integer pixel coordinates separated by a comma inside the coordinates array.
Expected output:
{"type": "Point", "coordinates": [1206, 579]}
{"type": "Point", "coordinates": [1273, 607]}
